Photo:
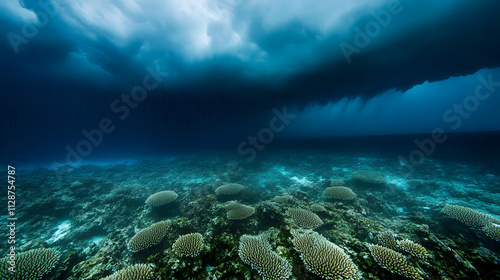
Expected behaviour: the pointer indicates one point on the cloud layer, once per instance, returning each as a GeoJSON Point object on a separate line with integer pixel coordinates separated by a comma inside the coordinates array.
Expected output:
{"type": "Point", "coordinates": [228, 60]}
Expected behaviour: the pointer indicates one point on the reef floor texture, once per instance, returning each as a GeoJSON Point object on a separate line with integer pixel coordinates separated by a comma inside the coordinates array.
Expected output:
{"type": "Point", "coordinates": [283, 217]}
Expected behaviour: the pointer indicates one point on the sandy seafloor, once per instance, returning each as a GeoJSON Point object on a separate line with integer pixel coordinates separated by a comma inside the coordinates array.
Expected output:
{"type": "Point", "coordinates": [90, 212]}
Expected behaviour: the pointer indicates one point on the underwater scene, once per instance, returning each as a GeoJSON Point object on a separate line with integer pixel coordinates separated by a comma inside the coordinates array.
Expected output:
{"type": "Point", "coordinates": [250, 140]}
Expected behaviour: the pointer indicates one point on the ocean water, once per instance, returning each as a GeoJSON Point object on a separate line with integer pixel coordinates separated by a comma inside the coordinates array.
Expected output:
{"type": "Point", "coordinates": [89, 213]}
{"type": "Point", "coordinates": [250, 140]}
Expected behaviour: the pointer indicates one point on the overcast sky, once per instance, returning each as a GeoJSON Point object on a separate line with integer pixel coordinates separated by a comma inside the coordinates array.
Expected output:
{"type": "Point", "coordinates": [223, 65]}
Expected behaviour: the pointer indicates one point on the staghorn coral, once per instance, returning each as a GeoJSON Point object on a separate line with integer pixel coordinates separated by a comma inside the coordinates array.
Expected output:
{"type": "Point", "coordinates": [340, 193]}
{"type": "Point", "coordinates": [229, 189]}
{"type": "Point", "coordinates": [256, 252]}
{"type": "Point", "coordinates": [29, 265]}
{"type": "Point", "coordinates": [412, 248]}
{"type": "Point", "coordinates": [367, 176]}
{"type": "Point", "coordinates": [337, 182]}
{"type": "Point", "coordinates": [304, 218]}
{"type": "Point", "coordinates": [188, 245]}
{"type": "Point", "coordinates": [135, 272]}
{"type": "Point", "coordinates": [161, 198]}
{"type": "Point", "coordinates": [394, 262]}
{"type": "Point", "coordinates": [468, 215]}
{"type": "Point", "coordinates": [323, 257]}
{"type": "Point", "coordinates": [388, 240]}
{"type": "Point", "coordinates": [149, 236]}
{"type": "Point", "coordinates": [238, 211]}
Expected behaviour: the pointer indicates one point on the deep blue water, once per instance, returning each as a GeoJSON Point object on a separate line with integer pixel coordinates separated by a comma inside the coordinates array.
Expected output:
{"type": "Point", "coordinates": [348, 124]}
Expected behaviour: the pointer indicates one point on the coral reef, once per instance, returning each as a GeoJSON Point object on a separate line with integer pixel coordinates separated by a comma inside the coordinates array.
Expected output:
{"type": "Point", "coordinates": [188, 245]}
{"type": "Point", "coordinates": [29, 265]}
{"type": "Point", "coordinates": [337, 182]}
{"type": "Point", "coordinates": [489, 224]}
{"type": "Point", "coordinates": [317, 208]}
{"type": "Point", "coordinates": [95, 223]}
{"type": "Point", "coordinates": [135, 272]}
{"type": "Point", "coordinates": [368, 176]}
{"type": "Point", "coordinates": [238, 211]}
{"type": "Point", "coordinates": [304, 218]}
{"type": "Point", "coordinates": [161, 198]}
{"type": "Point", "coordinates": [413, 248]}
{"type": "Point", "coordinates": [388, 240]}
{"type": "Point", "coordinates": [394, 262]}
{"type": "Point", "coordinates": [149, 236]}
{"type": "Point", "coordinates": [256, 252]}
{"type": "Point", "coordinates": [468, 215]}
{"type": "Point", "coordinates": [283, 198]}
{"type": "Point", "coordinates": [344, 193]}
{"type": "Point", "coordinates": [323, 257]}
{"type": "Point", "coordinates": [229, 189]}
{"type": "Point", "coordinates": [493, 231]}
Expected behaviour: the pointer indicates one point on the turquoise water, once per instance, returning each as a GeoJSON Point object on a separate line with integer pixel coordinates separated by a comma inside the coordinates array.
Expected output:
{"type": "Point", "coordinates": [89, 213]}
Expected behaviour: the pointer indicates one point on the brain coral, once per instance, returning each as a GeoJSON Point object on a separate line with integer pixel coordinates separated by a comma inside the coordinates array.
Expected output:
{"type": "Point", "coordinates": [304, 218]}
{"type": "Point", "coordinates": [238, 211]}
{"type": "Point", "coordinates": [149, 236]}
{"type": "Point", "coordinates": [135, 272]}
{"type": "Point", "coordinates": [340, 193]}
{"type": "Point", "coordinates": [188, 245]}
{"type": "Point", "coordinates": [468, 215]}
{"type": "Point", "coordinates": [161, 198]}
{"type": "Point", "coordinates": [367, 176]}
{"type": "Point", "coordinates": [256, 252]}
{"type": "Point", "coordinates": [229, 189]}
{"type": "Point", "coordinates": [323, 257]}
{"type": "Point", "coordinates": [30, 265]}
{"type": "Point", "coordinates": [394, 262]}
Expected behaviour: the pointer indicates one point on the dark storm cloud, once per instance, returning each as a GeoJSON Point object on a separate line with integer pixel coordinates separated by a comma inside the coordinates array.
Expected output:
{"type": "Point", "coordinates": [239, 57]}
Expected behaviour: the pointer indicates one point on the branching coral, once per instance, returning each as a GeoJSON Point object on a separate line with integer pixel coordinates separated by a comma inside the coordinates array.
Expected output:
{"type": "Point", "coordinates": [304, 218]}
{"type": "Point", "coordinates": [238, 211]}
{"type": "Point", "coordinates": [394, 262]}
{"type": "Point", "coordinates": [188, 245]}
{"type": "Point", "coordinates": [467, 215]}
{"type": "Point", "coordinates": [340, 193]}
{"type": "Point", "coordinates": [412, 248]}
{"type": "Point", "coordinates": [256, 252]}
{"type": "Point", "coordinates": [135, 272]}
{"type": "Point", "coordinates": [29, 265]}
{"type": "Point", "coordinates": [323, 257]}
{"type": "Point", "coordinates": [149, 236]}
{"type": "Point", "coordinates": [388, 240]}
